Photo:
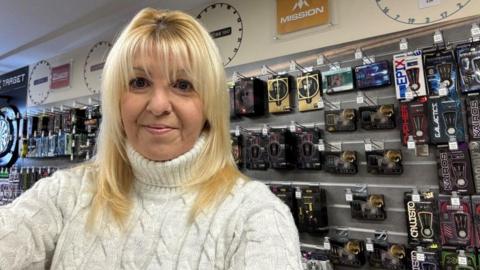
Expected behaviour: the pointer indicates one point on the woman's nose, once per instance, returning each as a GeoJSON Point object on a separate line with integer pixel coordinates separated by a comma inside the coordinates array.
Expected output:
{"type": "Point", "coordinates": [159, 101]}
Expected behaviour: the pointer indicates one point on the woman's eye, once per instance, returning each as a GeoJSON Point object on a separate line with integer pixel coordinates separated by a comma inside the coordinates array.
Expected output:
{"type": "Point", "coordinates": [183, 85]}
{"type": "Point", "coordinates": [139, 83]}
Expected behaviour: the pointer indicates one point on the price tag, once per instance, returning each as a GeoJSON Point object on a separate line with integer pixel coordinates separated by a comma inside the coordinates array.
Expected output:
{"type": "Point", "coordinates": [360, 100]}
{"type": "Point", "coordinates": [368, 147]}
{"type": "Point", "coordinates": [409, 95]}
{"type": "Point", "coordinates": [369, 247]}
{"type": "Point", "coordinates": [420, 257]}
{"type": "Point", "coordinates": [265, 131]}
{"type": "Point", "coordinates": [309, 69]}
{"type": "Point", "coordinates": [320, 104]}
{"type": "Point", "coordinates": [475, 31]}
{"type": "Point", "coordinates": [403, 45]}
{"type": "Point", "coordinates": [455, 201]}
{"type": "Point", "coordinates": [442, 91]}
{"type": "Point", "coordinates": [416, 197]}
{"type": "Point", "coordinates": [326, 245]}
{"type": "Point", "coordinates": [298, 194]}
{"type": "Point", "coordinates": [349, 197]}
{"type": "Point", "coordinates": [438, 37]}
{"type": "Point", "coordinates": [462, 260]}
{"type": "Point", "coordinates": [358, 54]}
{"type": "Point", "coordinates": [237, 131]}
{"type": "Point", "coordinates": [368, 60]}
{"type": "Point", "coordinates": [411, 145]}
{"type": "Point", "coordinates": [321, 146]}
{"type": "Point", "coordinates": [320, 60]}
{"type": "Point", "coordinates": [235, 76]}
{"type": "Point", "coordinates": [453, 145]}
{"type": "Point", "coordinates": [293, 67]}
{"type": "Point", "coordinates": [264, 70]}
{"type": "Point", "coordinates": [292, 128]}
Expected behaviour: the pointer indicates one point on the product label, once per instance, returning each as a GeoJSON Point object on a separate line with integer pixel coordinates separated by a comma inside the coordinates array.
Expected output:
{"type": "Point", "coordinates": [412, 219]}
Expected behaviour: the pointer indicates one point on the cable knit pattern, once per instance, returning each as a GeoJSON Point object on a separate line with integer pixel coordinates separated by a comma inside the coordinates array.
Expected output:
{"type": "Point", "coordinates": [250, 229]}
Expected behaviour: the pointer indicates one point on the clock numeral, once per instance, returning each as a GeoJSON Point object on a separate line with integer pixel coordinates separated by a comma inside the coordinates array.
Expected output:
{"type": "Point", "coordinates": [229, 59]}
{"type": "Point", "coordinates": [240, 29]}
{"type": "Point", "coordinates": [239, 40]}
{"type": "Point", "coordinates": [411, 20]}
{"type": "Point", "coordinates": [427, 19]}
{"type": "Point", "coordinates": [239, 20]}
{"type": "Point", "coordinates": [214, 5]}
{"type": "Point", "coordinates": [459, 5]}
{"type": "Point", "coordinates": [199, 17]}
{"type": "Point", "coordinates": [235, 12]}
{"type": "Point", "coordinates": [235, 50]}
{"type": "Point", "coordinates": [444, 14]}
{"type": "Point", "coordinates": [386, 10]}
{"type": "Point", "coordinates": [229, 7]}
{"type": "Point", "coordinates": [396, 17]}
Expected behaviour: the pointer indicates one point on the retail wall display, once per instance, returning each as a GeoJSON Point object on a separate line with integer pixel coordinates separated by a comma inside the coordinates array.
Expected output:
{"type": "Point", "coordinates": [476, 218]}
{"type": "Point", "coordinates": [341, 120]}
{"type": "Point", "coordinates": [337, 80]}
{"type": "Point", "coordinates": [286, 193]}
{"type": "Point", "coordinates": [250, 97]}
{"type": "Point", "coordinates": [256, 150]}
{"type": "Point", "coordinates": [430, 260]}
{"type": "Point", "coordinates": [473, 116]}
{"type": "Point", "coordinates": [468, 57]}
{"type": "Point", "coordinates": [368, 206]}
{"type": "Point", "coordinates": [373, 75]}
{"type": "Point", "coordinates": [387, 161]}
{"type": "Point", "coordinates": [343, 162]}
{"type": "Point", "coordinates": [9, 125]}
{"type": "Point", "coordinates": [441, 73]}
{"type": "Point", "coordinates": [281, 151]}
{"type": "Point", "coordinates": [414, 121]}
{"type": "Point", "coordinates": [456, 223]}
{"type": "Point", "coordinates": [237, 149]}
{"type": "Point", "coordinates": [387, 256]}
{"type": "Point", "coordinates": [39, 82]}
{"type": "Point", "coordinates": [446, 120]}
{"type": "Point", "coordinates": [309, 91]}
{"type": "Point", "coordinates": [280, 94]}
{"type": "Point", "coordinates": [93, 66]}
{"type": "Point", "coordinates": [347, 251]}
{"type": "Point", "coordinates": [377, 117]}
{"type": "Point", "coordinates": [409, 77]}
{"type": "Point", "coordinates": [454, 170]}
{"type": "Point", "coordinates": [312, 210]}
{"type": "Point", "coordinates": [422, 218]}
{"type": "Point", "coordinates": [307, 146]}
{"type": "Point", "coordinates": [316, 259]}
{"type": "Point", "coordinates": [474, 148]}
{"type": "Point", "coordinates": [450, 259]}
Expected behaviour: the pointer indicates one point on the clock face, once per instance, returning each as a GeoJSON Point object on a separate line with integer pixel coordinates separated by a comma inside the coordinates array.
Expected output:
{"type": "Point", "coordinates": [226, 28]}
{"type": "Point", "coordinates": [39, 82]}
{"type": "Point", "coordinates": [410, 11]}
{"type": "Point", "coordinates": [93, 66]}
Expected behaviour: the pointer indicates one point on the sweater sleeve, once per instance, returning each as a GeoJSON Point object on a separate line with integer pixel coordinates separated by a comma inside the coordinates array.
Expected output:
{"type": "Point", "coordinates": [30, 226]}
{"type": "Point", "coordinates": [268, 240]}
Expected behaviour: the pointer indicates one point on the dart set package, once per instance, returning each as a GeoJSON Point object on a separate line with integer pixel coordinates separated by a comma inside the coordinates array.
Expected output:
{"type": "Point", "coordinates": [386, 162]}
{"type": "Point", "coordinates": [377, 117]}
{"type": "Point", "coordinates": [446, 121]}
{"type": "Point", "coordinates": [344, 162]}
{"type": "Point", "coordinates": [237, 149]}
{"type": "Point", "coordinates": [456, 223]}
{"type": "Point", "coordinates": [281, 151]}
{"type": "Point", "coordinates": [316, 259]}
{"type": "Point", "coordinates": [287, 195]}
{"type": "Point", "coordinates": [231, 93]}
{"type": "Point", "coordinates": [337, 80]}
{"type": "Point", "coordinates": [476, 218]}
{"type": "Point", "coordinates": [309, 91]}
{"type": "Point", "coordinates": [474, 147]}
{"type": "Point", "coordinates": [307, 147]}
{"type": "Point", "coordinates": [409, 78]}
{"type": "Point", "coordinates": [454, 170]}
{"type": "Point", "coordinates": [250, 97]}
{"type": "Point", "coordinates": [473, 116]}
{"type": "Point", "coordinates": [347, 252]}
{"type": "Point", "coordinates": [387, 256]}
{"type": "Point", "coordinates": [441, 73]}
{"type": "Point", "coordinates": [368, 207]}
{"type": "Point", "coordinates": [280, 96]}
{"type": "Point", "coordinates": [256, 151]}
{"type": "Point", "coordinates": [312, 210]}
{"type": "Point", "coordinates": [373, 75]}
{"type": "Point", "coordinates": [32, 123]}
{"type": "Point", "coordinates": [414, 121]}
{"type": "Point", "coordinates": [422, 219]}
{"type": "Point", "coordinates": [468, 57]}
{"type": "Point", "coordinates": [430, 261]}
{"type": "Point", "coordinates": [341, 120]}
{"type": "Point", "coordinates": [450, 260]}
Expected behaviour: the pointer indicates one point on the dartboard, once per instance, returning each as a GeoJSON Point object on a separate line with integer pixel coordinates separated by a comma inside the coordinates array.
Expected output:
{"type": "Point", "coordinates": [308, 87]}
{"type": "Point", "coordinates": [93, 67]}
{"type": "Point", "coordinates": [39, 82]}
{"type": "Point", "coordinates": [278, 90]}
{"type": "Point", "coordinates": [8, 136]}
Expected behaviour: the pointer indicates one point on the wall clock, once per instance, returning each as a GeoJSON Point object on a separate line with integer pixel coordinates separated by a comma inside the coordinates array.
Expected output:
{"type": "Point", "coordinates": [8, 136]}
{"type": "Point", "coordinates": [93, 66]}
{"type": "Point", "coordinates": [226, 28]}
{"type": "Point", "coordinates": [409, 11]}
{"type": "Point", "coordinates": [39, 82]}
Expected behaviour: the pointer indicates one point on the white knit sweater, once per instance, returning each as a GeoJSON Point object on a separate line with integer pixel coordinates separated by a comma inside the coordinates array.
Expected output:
{"type": "Point", "coordinates": [251, 229]}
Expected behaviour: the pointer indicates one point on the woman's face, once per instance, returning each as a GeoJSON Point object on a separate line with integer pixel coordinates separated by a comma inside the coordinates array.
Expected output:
{"type": "Point", "coordinates": [161, 119]}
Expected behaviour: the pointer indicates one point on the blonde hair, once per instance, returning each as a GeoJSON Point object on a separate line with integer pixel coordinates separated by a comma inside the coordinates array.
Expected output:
{"type": "Point", "coordinates": [181, 43]}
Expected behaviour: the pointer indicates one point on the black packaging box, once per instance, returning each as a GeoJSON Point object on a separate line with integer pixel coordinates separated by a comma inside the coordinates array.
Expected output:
{"type": "Point", "coordinates": [474, 147]}
{"type": "Point", "coordinates": [476, 218]}
{"type": "Point", "coordinates": [237, 149]}
{"type": "Point", "coordinates": [422, 218]}
{"type": "Point", "coordinates": [456, 223]}
{"type": "Point", "coordinates": [287, 195]}
{"type": "Point", "coordinates": [454, 170]}
{"type": "Point", "coordinates": [373, 75]}
{"type": "Point", "coordinates": [344, 162]}
{"type": "Point", "coordinates": [468, 57]}
{"type": "Point", "coordinates": [414, 119]}
{"type": "Point", "coordinates": [432, 260]}
{"type": "Point", "coordinates": [387, 162]}
{"type": "Point", "coordinates": [308, 154]}
{"type": "Point", "coordinates": [445, 117]}
{"type": "Point", "coordinates": [256, 153]}
{"type": "Point", "coordinates": [312, 210]}
{"type": "Point", "coordinates": [387, 256]}
{"type": "Point", "coordinates": [368, 207]}
{"type": "Point", "coordinates": [341, 120]}
{"type": "Point", "coordinates": [377, 117]}
{"type": "Point", "coordinates": [450, 259]}
{"type": "Point", "coordinates": [281, 152]}
{"type": "Point", "coordinates": [441, 73]}
{"type": "Point", "coordinates": [347, 252]}
{"type": "Point", "coordinates": [250, 97]}
{"type": "Point", "coordinates": [473, 116]}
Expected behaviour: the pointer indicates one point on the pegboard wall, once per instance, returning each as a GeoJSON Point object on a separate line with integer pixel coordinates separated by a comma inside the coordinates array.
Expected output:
{"type": "Point", "coordinates": [419, 172]}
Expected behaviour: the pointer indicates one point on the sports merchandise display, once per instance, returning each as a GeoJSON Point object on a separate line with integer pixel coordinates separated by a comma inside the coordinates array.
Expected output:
{"type": "Point", "coordinates": [422, 218]}
{"type": "Point", "coordinates": [280, 96]}
{"type": "Point", "coordinates": [373, 75]}
{"type": "Point", "coordinates": [312, 210]}
{"type": "Point", "coordinates": [309, 90]}
{"type": "Point", "coordinates": [344, 162]}
{"type": "Point", "coordinates": [414, 121]}
{"type": "Point", "coordinates": [468, 57]}
{"type": "Point", "coordinates": [409, 78]}
{"type": "Point", "coordinates": [446, 121]}
{"type": "Point", "coordinates": [368, 207]}
{"type": "Point", "coordinates": [387, 256]}
{"type": "Point", "coordinates": [387, 162]}
{"type": "Point", "coordinates": [281, 152]}
{"type": "Point", "coordinates": [256, 151]}
{"type": "Point", "coordinates": [431, 260]}
{"type": "Point", "coordinates": [250, 97]}
{"type": "Point", "coordinates": [474, 147]}
{"type": "Point", "coordinates": [473, 116]}
{"type": "Point", "coordinates": [341, 120]}
{"type": "Point", "coordinates": [441, 73]}
{"type": "Point", "coordinates": [307, 147]}
{"type": "Point", "coordinates": [337, 80]}
{"type": "Point", "coordinates": [454, 170]}
{"type": "Point", "coordinates": [377, 117]}
{"type": "Point", "coordinates": [346, 251]}
{"type": "Point", "coordinates": [456, 223]}
{"type": "Point", "coordinates": [450, 259]}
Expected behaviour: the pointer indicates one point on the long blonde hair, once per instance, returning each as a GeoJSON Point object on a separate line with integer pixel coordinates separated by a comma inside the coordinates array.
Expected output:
{"type": "Point", "coordinates": [175, 38]}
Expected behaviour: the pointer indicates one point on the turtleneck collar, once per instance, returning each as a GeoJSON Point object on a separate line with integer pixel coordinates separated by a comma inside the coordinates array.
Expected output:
{"type": "Point", "coordinates": [158, 175]}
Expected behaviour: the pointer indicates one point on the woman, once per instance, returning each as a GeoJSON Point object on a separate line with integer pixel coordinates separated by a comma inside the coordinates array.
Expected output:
{"type": "Point", "coordinates": [163, 191]}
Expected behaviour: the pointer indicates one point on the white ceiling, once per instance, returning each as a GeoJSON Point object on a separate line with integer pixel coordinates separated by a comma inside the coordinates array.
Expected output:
{"type": "Point", "coordinates": [32, 30]}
